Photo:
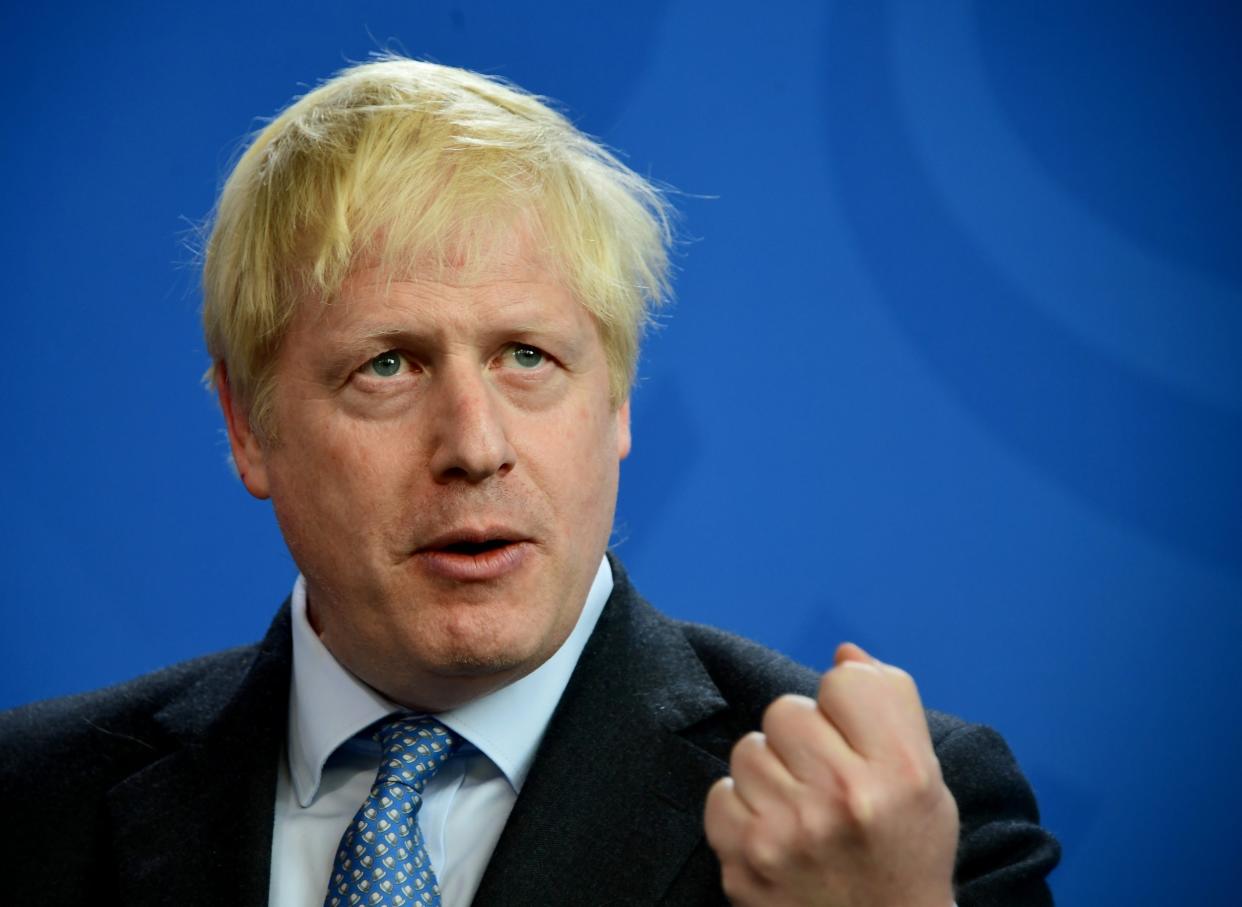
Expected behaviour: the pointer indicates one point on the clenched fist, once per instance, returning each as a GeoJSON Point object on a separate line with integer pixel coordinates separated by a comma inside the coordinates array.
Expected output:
{"type": "Point", "coordinates": [839, 801]}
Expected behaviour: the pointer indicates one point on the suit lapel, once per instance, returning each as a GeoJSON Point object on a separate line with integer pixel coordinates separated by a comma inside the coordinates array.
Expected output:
{"type": "Point", "coordinates": [610, 813]}
{"type": "Point", "coordinates": [612, 808]}
{"type": "Point", "coordinates": [195, 826]}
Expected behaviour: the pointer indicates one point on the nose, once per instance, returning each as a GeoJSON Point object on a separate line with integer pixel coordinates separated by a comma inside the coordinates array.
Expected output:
{"type": "Point", "coordinates": [471, 443]}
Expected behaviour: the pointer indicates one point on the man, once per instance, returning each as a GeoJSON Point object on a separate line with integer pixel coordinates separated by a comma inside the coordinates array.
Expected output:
{"type": "Point", "coordinates": [422, 298]}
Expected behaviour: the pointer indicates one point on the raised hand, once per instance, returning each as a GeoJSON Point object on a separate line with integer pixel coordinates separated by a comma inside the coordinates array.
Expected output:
{"type": "Point", "coordinates": [839, 800]}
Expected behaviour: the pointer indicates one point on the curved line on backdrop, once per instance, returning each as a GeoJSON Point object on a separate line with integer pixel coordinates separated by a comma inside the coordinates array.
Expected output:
{"type": "Point", "coordinates": [1131, 444]}
{"type": "Point", "coordinates": [1178, 325]}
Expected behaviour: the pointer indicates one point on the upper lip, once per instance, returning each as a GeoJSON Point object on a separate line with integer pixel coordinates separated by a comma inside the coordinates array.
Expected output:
{"type": "Point", "coordinates": [497, 533]}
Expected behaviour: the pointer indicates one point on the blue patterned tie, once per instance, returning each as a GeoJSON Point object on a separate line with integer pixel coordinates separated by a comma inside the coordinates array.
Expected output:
{"type": "Point", "coordinates": [382, 860]}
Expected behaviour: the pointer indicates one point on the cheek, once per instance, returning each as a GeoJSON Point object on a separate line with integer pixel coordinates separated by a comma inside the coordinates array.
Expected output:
{"type": "Point", "coordinates": [589, 453]}
{"type": "Point", "coordinates": [336, 487]}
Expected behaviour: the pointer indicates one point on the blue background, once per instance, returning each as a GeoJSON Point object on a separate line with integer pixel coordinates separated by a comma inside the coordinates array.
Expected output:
{"type": "Point", "coordinates": [954, 370]}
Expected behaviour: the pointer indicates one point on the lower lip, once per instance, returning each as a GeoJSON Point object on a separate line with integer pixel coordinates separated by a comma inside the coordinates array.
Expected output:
{"type": "Point", "coordinates": [486, 565]}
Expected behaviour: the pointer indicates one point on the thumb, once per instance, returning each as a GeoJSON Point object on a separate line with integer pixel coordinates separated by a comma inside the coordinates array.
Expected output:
{"type": "Point", "coordinates": [849, 651]}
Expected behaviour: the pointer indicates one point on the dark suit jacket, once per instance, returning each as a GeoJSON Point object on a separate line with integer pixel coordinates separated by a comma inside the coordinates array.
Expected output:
{"type": "Point", "coordinates": [161, 791]}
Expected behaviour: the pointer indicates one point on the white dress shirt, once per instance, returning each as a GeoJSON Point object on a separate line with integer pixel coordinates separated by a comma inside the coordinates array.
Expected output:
{"type": "Point", "coordinates": [327, 771]}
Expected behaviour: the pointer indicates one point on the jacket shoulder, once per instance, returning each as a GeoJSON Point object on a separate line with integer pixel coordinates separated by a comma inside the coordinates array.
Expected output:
{"type": "Point", "coordinates": [118, 726]}
{"type": "Point", "coordinates": [1004, 854]}
{"type": "Point", "coordinates": [758, 675]}
{"type": "Point", "coordinates": [747, 673]}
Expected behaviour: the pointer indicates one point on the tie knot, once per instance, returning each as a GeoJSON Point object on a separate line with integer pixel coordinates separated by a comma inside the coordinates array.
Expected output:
{"type": "Point", "coordinates": [413, 749]}
{"type": "Point", "coordinates": [382, 859]}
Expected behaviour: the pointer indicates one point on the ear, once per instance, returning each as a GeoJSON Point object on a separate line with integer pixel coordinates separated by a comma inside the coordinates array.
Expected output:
{"type": "Point", "coordinates": [623, 430]}
{"type": "Point", "coordinates": [248, 455]}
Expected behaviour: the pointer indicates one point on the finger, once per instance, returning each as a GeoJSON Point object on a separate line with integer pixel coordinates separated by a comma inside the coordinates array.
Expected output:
{"type": "Point", "coordinates": [875, 709]}
{"type": "Point", "coordinates": [730, 826]}
{"type": "Point", "coordinates": [903, 686]}
{"type": "Point", "coordinates": [808, 744]}
{"type": "Point", "coordinates": [901, 681]}
{"type": "Point", "coordinates": [908, 700]}
{"type": "Point", "coordinates": [746, 888]}
{"type": "Point", "coordinates": [849, 651]}
{"type": "Point", "coordinates": [725, 819]}
{"type": "Point", "coordinates": [760, 778]}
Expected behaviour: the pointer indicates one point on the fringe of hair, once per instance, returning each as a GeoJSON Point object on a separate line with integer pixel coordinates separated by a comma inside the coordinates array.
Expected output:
{"type": "Point", "coordinates": [417, 166]}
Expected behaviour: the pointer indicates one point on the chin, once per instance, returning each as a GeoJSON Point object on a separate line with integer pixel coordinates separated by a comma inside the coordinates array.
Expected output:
{"type": "Point", "coordinates": [477, 647]}
{"type": "Point", "coordinates": [476, 663]}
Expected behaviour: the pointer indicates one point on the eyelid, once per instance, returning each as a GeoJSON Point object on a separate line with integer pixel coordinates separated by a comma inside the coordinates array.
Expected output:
{"type": "Point", "coordinates": [409, 363]}
{"type": "Point", "coordinates": [511, 348]}
{"type": "Point", "coordinates": [406, 364]}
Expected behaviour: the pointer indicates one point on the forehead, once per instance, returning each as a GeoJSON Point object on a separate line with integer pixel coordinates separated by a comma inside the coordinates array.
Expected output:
{"type": "Point", "coordinates": [502, 283]}
{"type": "Point", "coordinates": [507, 245]}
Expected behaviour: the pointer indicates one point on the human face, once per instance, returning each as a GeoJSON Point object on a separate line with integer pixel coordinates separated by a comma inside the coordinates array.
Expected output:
{"type": "Point", "coordinates": [445, 473]}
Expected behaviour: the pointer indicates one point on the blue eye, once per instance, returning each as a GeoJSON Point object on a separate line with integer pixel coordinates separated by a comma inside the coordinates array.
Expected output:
{"type": "Point", "coordinates": [527, 356]}
{"type": "Point", "coordinates": [385, 365]}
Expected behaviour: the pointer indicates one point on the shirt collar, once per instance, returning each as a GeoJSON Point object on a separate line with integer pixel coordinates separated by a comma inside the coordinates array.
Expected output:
{"type": "Point", "coordinates": [328, 705]}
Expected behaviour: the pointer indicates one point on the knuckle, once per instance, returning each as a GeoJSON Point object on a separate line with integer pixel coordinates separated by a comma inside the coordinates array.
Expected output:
{"type": "Point", "coordinates": [845, 679]}
{"type": "Point", "coordinates": [829, 680]}
{"type": "Point", "coordinates": [829, 693]}
{"type": "Point", "coordinates": [785, 715]}
{"type": "Point", "coordinates": [815, 825]}
{"type": "Point", "coordinates": [920, 777]}
{"type": "Point", "coordinates": [903, 686]}
{"type": "Point", "coordinates": [747, 752]}
{"type": "Point", "coordinates": [901, 676]}
{"type": "Point", "coordinates": [916, 776]}
{"type": "Point", "coordinates": [861, 806]}
{"type": "Point", "coordinates": [763, 852]}
{"type": "Point", "coordinates": [735, 881]}
{"type": "Point", "coordinates": [868, 802]}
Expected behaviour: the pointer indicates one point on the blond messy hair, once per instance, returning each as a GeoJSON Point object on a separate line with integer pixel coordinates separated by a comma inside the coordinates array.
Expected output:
{"type": "Point", "coordinates": [417, 166]}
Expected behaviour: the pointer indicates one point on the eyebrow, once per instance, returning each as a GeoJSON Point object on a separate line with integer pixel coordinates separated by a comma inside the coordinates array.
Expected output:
{"type": "Point", "coordinates": [353, 348]}
{"type": "Point", "coordinates": [345, 353]}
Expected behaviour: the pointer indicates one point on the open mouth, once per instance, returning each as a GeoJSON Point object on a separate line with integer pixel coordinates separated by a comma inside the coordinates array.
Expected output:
{"type": "Point", "coordinates": [472, 556]}
{"type": "Point", "coordinates": [474, 548]}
